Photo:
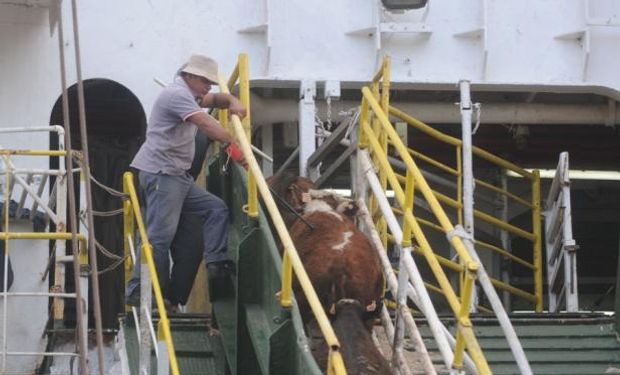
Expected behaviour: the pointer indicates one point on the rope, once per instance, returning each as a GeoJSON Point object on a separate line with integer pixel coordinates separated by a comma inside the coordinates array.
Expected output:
{"type": "Point", "coordinates": [108, 213]}
{"type": "Point", "coordinates": [113, 266]}
{"type": "Point", "coordinates": [107, 252]}
{"type": "Point", "coordinates": [110, 190]}
{"type": "Point", "coordinates": [99, 246]}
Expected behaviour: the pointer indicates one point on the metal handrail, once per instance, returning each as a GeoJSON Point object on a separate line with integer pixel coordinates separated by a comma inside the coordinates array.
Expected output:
{"type": "Point", "coordinates": [241, 74]}
{"type": "Point", "coordinates": [291, 262]}
{"type": "Point", "coordinates": [370, 139]}
{"type": "Point", "coordinates": [132, 213]}
{"type": "Point", "coordinates": [534, 178]}
{"type": "Point", "coordinates": [59, 219]}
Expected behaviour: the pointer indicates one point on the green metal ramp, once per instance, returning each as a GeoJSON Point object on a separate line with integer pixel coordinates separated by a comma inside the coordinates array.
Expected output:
{"type": "Point", "coordinates": [256, 336]}
{"type": "Point", "coordinates": [198, 352]}
{"type": "Point", "coordinates": [580, 344]}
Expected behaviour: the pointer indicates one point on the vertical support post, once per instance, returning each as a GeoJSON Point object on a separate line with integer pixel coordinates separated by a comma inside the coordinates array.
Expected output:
{"type": "Point", "coordinates": [569, 246]}
{"type": "Point", "coordinates": [83, 258]}
{"type": "Point", "coordinates": [5, 282]}
{"type": "Point", "coordinates": [286, 295]}
{"type": "Point", "coordinates": [163, 360]}
{"type": "Point", "coordinates": [468, 173]}
{"type": "Point", "coordinates": [505, 239]}
{"type": "Point", "coordinates": [244, 96]}
{"type": "Point", "coordinates": [617, 301]}
{"type": "Point", "coordinates": [307, 109]}
{"type": "Point", "coordinates": [64, 142]}
{"type": "Point", "coordinates": [145, 308]}
{"type": "Point", "coordinates": [537, 229]}
{"type": "Point", "coordinates": [128, 231]}
{"type": "Point", "coordinates": [61, 247]}
{"type": "Point", "coordinates": [399, 326]}
{"type": "Point", "coordinates": [266, 132]}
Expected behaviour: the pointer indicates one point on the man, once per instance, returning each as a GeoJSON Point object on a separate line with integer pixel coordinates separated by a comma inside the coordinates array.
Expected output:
{"type": "Point", "coordinates": [170, 193]}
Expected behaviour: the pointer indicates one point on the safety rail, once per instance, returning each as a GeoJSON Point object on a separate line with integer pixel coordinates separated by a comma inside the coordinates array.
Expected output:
{"type": "Point", "coordinates": [132, 215]}
{"type": "Point", "coordinates": [291, 262]}
{"type": "Point", "coordinates": [533, 204]}
{"type": "Point", "coordinates": [241, 74]}
{"type": "Point", "coordinates": [55, 211]}
{"type": "Point", "coordinates": [371, 138]}
{"type": "Point", "coordinates": [376, 134]}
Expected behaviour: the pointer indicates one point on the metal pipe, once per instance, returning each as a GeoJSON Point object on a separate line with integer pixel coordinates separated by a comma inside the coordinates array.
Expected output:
{"type": "Point", "coordinates": [66, 135]}
{"type": "Point", "coordinates": [52, 128]}
{"type": "Point", "coordinates": [392, 282]}
{"type": "Point", "coordinates": [398, 357]}
{"type": "Point", "coordinates": [38, 294]}
{"type": "Point", "coordinates": [505, 239]}
{"type": "Point", "coordinates": [147, 256]}
{"type": "Point", "coordinates": [89, 200]}
{"type": "Point", "coordinates": [502, 316]}
{"type": "Point", "coordinates": [44, 354]}
{"type": "Point", "coordinates": [276, 111]}
{"type": "Point", "coordinates": [424, 301]}
{"type": "Point", "coordinates": [5, 280]}
{"type": "Point", "coordinates": [467, 171]}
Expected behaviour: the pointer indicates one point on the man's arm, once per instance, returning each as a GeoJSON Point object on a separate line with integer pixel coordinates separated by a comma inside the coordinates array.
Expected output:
{"type": "Point", "coordinates": [211, 127]}
{"type": "Point", "coordinates": [224, 101]}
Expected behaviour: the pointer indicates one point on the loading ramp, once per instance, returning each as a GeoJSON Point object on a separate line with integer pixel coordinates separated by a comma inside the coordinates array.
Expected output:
{"type": "Point", "coordinates": [261, 332]}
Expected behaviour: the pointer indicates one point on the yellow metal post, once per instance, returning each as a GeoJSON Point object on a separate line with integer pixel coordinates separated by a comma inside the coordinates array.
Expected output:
{"type": "Point", "coordinates": [286, 296]}
{"type": "Point", "coordinates": [409, 191]}
{"type": "Point", "coordinates": [537, 229]}
{"type": "Point", "coordinates": [363, 139]}
{"type": "Point", "coordinates": [147, 260]}
{"type": "Point", "coordinates": [128, 230]}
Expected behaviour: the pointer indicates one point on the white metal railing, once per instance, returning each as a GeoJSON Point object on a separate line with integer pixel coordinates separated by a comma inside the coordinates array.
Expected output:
{"type": "Point", "coordinates": [413, 285]}
{"type": "Point", "coordinates": [55, 210]}
{"type": "Point", "coordinates": [560, 246]}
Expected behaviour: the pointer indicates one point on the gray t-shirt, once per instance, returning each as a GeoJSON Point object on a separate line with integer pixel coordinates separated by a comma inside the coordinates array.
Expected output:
{"type": "Point", "coordinates": [169, 145]}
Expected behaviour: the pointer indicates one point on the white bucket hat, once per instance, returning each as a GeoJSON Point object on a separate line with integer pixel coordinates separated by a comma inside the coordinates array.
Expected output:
{"type": "Point", "coordinates": [202, 66]}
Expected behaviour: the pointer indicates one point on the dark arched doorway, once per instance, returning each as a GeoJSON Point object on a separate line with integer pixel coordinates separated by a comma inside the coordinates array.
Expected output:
{"type": "Point", "coordinates": [116, 125]}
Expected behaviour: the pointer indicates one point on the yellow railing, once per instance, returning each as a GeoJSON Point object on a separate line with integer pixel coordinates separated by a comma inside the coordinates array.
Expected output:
{"type": "Point", "coordinates": [132, 214]}
{"type": "Point", "coordinates": [375, 139]}
{"type": "Point", "coordinates": [291, 263]}
{"type": "Point", "coordinates": [241, 74]}
{"type": "Point", "coordinates": [533, 204]}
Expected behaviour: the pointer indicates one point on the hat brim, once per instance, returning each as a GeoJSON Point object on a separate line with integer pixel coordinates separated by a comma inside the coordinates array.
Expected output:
{"type": "Point", "coordinates": [201, 73]}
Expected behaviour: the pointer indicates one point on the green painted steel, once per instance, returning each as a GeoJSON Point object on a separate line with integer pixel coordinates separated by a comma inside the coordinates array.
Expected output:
{"type": "Point", "coordinates": [198, 352]}
{"type": "Point", "coordinates": [554, 344]}
{"type": "Point", "coordinates": [258, 335]}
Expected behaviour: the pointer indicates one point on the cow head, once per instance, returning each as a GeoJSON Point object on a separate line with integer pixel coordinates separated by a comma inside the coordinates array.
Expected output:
{"type": "Point", "coordinates": [340, 204]}
{"type": "Point", "coordinates": [293, 190]}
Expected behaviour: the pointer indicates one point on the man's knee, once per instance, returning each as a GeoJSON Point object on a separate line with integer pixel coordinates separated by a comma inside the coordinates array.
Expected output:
{"type": "Point", "coordinates": [216, 210]}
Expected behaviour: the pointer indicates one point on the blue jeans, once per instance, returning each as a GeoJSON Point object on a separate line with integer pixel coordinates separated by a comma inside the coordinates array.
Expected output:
{"type": "Point", "coordinates": [182, 219]}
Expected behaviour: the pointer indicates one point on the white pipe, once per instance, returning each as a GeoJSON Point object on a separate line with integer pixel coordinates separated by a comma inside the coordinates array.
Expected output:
{"type": "Point", "coordinates": [392, 284]}
{"type": "Point", "coordinates": [468, 172]}
{"type": "Point", "coordinates": [398, 357]}
{"type": "Point", "coordinates": [32, 193]}
{"type": "Point", "coordinates": [500, 313]}
{"type": "Point", "coordinates": [424, 300]}
{"type": "Point", "coordinates": [271, 111]}
{"type": "Point", "coordinates": [38, 294]}
{"type": "Point", "coordinates": [51, 128]}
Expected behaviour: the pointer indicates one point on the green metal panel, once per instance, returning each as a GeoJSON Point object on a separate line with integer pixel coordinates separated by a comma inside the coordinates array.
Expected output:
{"type": "Point", "coordinates": [267, 339]}
{"type": "Point", "coordinates": [198, 353]}
{"type": "Point", "coordinates": [554, 344]}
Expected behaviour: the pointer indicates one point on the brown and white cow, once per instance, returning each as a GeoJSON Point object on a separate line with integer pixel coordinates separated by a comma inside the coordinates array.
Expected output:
{"type": "Point", "coordinates": [342, 266]}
